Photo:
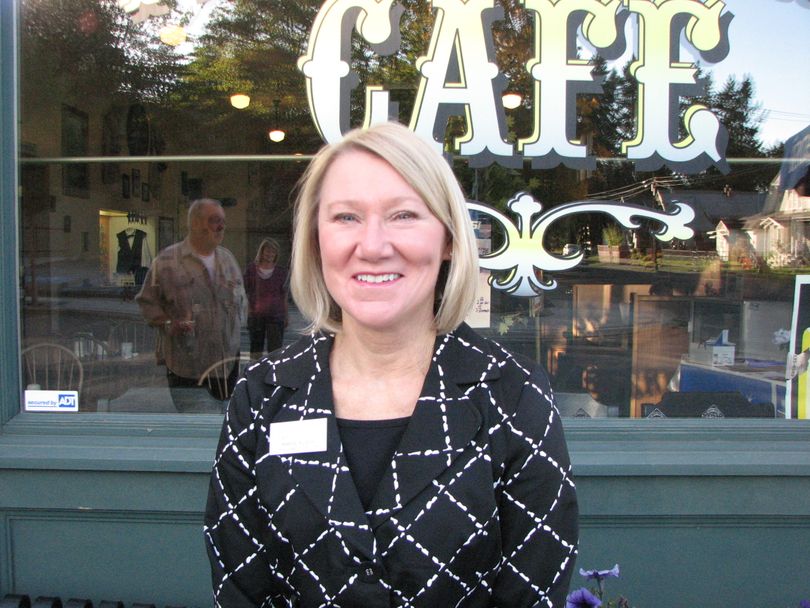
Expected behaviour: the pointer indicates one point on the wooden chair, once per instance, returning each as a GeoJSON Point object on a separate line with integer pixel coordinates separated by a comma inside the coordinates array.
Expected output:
{"type": "Point", "coordinates": [215, 378]}
{"type": "Point", "coordinates": [52, 367]}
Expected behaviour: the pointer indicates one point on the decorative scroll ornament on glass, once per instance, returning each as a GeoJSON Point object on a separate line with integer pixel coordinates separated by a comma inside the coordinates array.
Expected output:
{"type": "Point", "coordinates": [522, 252]}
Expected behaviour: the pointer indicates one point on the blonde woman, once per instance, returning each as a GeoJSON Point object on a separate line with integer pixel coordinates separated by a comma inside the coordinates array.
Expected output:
{"type": "Point", "coordinates": [266, 288]}
{"type": "Point", "coordinates": [392, 457]}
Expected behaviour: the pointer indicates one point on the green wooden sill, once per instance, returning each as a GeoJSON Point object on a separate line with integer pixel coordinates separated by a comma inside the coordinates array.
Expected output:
{"type": "Point", "coordinates": [599, 447]}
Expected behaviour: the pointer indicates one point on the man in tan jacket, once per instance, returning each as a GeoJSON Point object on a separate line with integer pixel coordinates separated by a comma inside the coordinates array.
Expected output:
{"type": "Point", "coordinates": [194, 294]}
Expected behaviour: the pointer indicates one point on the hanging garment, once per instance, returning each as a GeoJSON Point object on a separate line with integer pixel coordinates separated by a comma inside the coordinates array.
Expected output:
{"type": "Point", "coordinates": [130, 255]}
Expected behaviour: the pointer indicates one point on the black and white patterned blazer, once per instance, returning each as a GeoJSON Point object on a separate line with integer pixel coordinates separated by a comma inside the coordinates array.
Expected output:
{"type": "Point", "coordinates": [477, 508]}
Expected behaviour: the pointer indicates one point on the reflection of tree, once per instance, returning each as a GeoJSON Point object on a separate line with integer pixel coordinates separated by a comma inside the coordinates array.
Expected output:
{"type": "Point", "coordinates": [397, 71]}
{"type": "Point", "coordinates": [90, 58]}
{"type": "Point", "coordinates": [251, 47]}
{"type": "Point", "coordinates": [88, 49]}
{"type": "Point", "coordinates": [513, 38]}
{"type": "Point", "coordinates": [738, 110]}
{"type": "Point", "coordinates": [610, 119]}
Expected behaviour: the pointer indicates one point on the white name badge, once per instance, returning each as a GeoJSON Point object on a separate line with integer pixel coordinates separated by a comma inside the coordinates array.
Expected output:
{"type": "Point", "coordinates": [297, 437]}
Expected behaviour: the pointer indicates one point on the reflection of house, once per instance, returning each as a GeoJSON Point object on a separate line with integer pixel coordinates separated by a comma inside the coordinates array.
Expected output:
{"type": "Point", "coordinates": [780, 233]}
{"type": "Point", "coordinates": [731, 240]}
{"type": "Point", "coordinates": [710, 208]}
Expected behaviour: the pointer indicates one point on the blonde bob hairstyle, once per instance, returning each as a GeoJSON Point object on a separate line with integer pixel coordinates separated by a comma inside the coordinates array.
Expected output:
{"type": "Point", "coordinates": [431, 177]}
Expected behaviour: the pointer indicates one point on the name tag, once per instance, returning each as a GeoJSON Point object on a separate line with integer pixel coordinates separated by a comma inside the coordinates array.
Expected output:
{"type": "Point", "coordinates": [297, 437]}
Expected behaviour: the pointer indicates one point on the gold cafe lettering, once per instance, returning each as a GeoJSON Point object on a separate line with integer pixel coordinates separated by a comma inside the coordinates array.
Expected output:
{"type": "Point", "coordinates": [686, 141]}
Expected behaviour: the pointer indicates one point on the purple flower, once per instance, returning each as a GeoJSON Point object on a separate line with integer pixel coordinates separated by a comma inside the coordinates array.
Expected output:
{"type": "Point", "coordinates": [582, 598]}
{"type": "Point", "coordinates": [600, 575]}
{"type": "Point", "coordinates": [804, 604]}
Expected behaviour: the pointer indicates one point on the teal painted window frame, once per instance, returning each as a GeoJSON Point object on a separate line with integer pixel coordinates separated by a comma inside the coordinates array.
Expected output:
{"type": "Point", "coordinates": [166, 442]}
{"type": "Point", "coordinates": [9, 321]}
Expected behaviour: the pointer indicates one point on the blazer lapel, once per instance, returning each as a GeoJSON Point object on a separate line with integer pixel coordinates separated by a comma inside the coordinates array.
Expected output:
{"type": "Point", "coordinates": [323, 476]}
{"type": "Point", "coordinates": [444, 422]}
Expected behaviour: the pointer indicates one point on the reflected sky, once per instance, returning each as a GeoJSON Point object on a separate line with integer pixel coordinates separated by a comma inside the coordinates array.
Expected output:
{"type": "Point", "coordinates": [769, 41]}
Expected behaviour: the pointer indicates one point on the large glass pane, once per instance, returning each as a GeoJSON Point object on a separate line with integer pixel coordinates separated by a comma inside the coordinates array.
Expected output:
{"type": "Point", "coordinates": [132, 110]}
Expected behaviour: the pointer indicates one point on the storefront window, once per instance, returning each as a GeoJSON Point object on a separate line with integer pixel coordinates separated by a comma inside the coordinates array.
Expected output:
{"type": "Point", "coordinates": [130, 111]}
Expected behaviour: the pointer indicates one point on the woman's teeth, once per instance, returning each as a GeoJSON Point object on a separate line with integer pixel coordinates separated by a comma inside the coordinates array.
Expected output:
{"type": "Point", "coordinates": [377, 278]}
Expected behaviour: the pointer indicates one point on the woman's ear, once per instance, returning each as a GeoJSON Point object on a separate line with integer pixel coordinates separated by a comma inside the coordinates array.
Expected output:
{"type": "Point", "coordinates": [447, 254]}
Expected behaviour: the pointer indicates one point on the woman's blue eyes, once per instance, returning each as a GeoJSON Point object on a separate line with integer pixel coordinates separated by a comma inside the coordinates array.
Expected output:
{"type": "Point", "coordinates": [401, 215]}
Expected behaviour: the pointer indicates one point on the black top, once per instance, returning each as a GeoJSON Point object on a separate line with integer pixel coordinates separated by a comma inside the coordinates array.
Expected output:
{"type": "Point", "coordinates": [369, 446]}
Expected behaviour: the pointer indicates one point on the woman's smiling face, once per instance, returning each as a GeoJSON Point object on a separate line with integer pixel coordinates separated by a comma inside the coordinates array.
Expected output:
{"type": "Point", "coordinates": [381, 247]}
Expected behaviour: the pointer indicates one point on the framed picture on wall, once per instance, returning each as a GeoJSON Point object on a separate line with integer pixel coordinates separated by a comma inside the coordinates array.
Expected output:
{"type": "Point", "coordinates": [145, 192]}
{"type": "Point", "coordinates": [125, 185]}
{"type": "Point", "coordinates": [75, 176]}
{"type": "Point", "coordinates": [136, 181]}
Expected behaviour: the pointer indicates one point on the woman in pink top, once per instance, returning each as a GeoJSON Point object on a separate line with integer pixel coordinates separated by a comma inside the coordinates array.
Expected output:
{"type": "Point", "coordinates": [266, 287]}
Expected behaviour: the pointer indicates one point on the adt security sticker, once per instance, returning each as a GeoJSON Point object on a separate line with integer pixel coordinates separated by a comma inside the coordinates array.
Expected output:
{"type": "Point", "coordinates": [51, 401]}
